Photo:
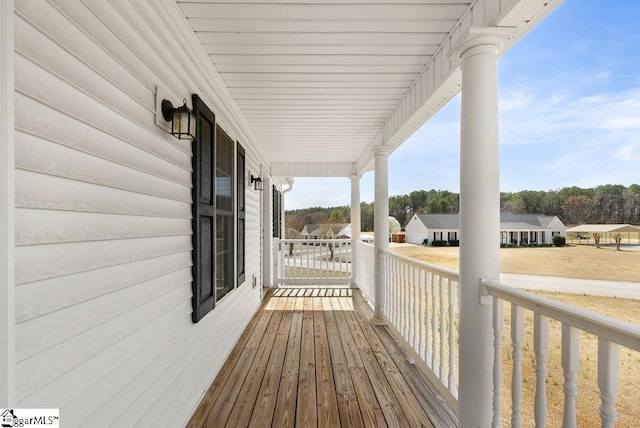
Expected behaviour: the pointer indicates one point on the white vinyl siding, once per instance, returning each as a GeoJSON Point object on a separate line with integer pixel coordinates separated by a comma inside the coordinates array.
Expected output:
{"type": "Point", "coordinates": [103, 219]}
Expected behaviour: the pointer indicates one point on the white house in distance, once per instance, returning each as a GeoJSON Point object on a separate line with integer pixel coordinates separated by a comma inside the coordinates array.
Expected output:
{"type": "Point", "coordinates": [135, 245]}
{"type": "Point", "coordinates": [515, 229]}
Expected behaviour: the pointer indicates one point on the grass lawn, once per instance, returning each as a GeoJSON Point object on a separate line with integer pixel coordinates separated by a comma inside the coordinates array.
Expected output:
{"type": "Point", "coordinates": [579, 261]}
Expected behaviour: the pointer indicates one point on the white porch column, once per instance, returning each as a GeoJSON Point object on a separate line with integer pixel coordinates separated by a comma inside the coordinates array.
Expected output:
{"type": "Point", "coordinates": [380, 222]}
{"type": "Point", "coordinates": [355, 224]}
{"type": "Point", "coordinates": [7, 209]}
{"type": "Point", "coordinates": [479, 221]}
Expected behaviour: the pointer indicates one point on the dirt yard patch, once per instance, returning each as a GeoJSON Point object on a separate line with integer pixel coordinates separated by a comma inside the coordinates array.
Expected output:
{"type": "Point", "coordinates": [580, 261]}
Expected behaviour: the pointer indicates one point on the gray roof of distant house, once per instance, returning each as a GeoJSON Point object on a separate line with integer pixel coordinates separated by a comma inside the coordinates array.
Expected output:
{"type": "Point", "coordinates": [508, 221]}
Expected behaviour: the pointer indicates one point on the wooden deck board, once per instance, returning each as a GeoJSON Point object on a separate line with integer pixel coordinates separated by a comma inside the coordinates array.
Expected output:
{"type": "Point", "coordinates": [312, 357]}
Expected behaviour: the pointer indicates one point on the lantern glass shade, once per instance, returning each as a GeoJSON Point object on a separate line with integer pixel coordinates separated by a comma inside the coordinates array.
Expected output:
{"type": "Point", "coordinates": [183, 124]}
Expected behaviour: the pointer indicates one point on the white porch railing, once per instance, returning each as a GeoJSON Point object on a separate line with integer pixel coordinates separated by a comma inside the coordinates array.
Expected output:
{"type": "Point", "coordinates": [421, 303]}
{"type": "Point", "coordinates": [312, 261]}
{"type": "Point", "coordinates": [610, 332]}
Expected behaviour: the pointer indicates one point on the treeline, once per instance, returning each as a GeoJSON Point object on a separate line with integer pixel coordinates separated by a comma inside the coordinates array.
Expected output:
{"type": "Point", "coordinates": [610, 203]}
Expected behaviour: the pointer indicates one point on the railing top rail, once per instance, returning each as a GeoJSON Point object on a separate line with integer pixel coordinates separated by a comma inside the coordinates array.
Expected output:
{"type": "Point", "coordinates": [447, 273]}
{"type": "Point", "coordinates": [366, 244]}
{"type": "Point", "coordinates": [608, 328]}
{"type": "Point", "coordinates": [314, 240]}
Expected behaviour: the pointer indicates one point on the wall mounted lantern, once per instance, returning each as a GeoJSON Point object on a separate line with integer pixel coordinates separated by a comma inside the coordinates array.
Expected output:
{"type": "Point", "coordinates": [256, 182]}
{"type": "Point", "coordinates": [183, 122]}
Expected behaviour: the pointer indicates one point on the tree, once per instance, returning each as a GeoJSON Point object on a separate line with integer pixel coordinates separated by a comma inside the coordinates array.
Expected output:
{"type": "Point", "coordinates": [596, 238]}
{"type": "Point", "coordinates": [394, 225]}
{"type": "Point", "coordinates": [579, 209]}
{"type": "Point", "coordinates": [366, 216]}
{"type": "Point", "coordinates": [617, 237]}
{"type": "Point", "coordinates": [336, 216]}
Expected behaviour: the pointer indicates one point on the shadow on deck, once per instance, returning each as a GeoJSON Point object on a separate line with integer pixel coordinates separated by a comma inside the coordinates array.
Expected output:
{"type": "Point", "coordinates": [312, 357]}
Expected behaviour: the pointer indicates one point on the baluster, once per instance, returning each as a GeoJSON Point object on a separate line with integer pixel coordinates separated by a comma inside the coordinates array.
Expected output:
{"type": "Point", "coordinates": [541, 349]}
{"type": "Point", "coordinates": [452, 336]}
{"type": "Point", "coordinates": [570, 364]}
{"type": "Point", "coordinates": [393, 282]}
{"type": "Point", "coordinates": [283, 270]}
{"type": "Point", "coordinates": [608, 380]}
{"type": "Point", "coordinates": [308, 267]}
{"type": "Point", "coordinates": [333, 273]}
{"type": "Point", "coordinates": [434, 324]}
{"type": "Point", "coordinates": [421, 312]}
{"type": "Point", "coordinates": [315, 272]}
{"type": "Point", "coordinates": [498, 328]}
{"type": "Point", "coordinates": [517, 334]}
{"type": "Point", "coordinates": [415, 303]}
{"type": "Point", "coordinates": [427, 318]}
{"type": "Point", "coordinates": [405, 301]}
{"type": "Point", "coordinates": [443, 333]}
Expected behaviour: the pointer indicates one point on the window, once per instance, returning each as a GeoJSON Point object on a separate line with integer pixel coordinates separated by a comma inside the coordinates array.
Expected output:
{"type": "Point", "coordinates": [216, 170]}
{"type": "Point", "coordinates": [224, 254]}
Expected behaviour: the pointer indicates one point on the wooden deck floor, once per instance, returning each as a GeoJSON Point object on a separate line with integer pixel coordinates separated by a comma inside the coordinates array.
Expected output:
{"type": "Point", "coordinates": [312, 357]}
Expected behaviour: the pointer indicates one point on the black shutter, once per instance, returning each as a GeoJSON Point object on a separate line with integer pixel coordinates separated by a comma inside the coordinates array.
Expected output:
{"type": "Point", "coordinates": [277, 223]}
{"type": "Point", "coordinates": [203, 211]}
{"type": "Point", "coordinates": [241, 212]}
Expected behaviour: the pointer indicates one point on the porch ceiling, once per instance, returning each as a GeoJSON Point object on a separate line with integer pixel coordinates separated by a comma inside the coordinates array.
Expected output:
{"type": "Point", "coordinates": [320, 81]}
{"type": "Point", "coordinates": [316, 80]}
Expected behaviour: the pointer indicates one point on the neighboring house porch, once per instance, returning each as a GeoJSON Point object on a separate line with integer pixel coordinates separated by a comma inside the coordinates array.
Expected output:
{"type": "Point", "coordinates": [515, 229]}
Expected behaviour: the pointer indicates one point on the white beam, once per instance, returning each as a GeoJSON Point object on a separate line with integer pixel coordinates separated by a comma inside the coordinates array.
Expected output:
{"type": "Point", "coordinates": [7, 208]}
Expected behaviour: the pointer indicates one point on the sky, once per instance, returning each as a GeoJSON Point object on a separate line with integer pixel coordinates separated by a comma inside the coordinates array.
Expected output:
{"type": "Point", "coordinates": [569, 114]}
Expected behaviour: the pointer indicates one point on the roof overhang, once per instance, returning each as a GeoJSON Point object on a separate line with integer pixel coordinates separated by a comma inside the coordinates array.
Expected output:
{"type": "Point", "coordinates": [604, 228]}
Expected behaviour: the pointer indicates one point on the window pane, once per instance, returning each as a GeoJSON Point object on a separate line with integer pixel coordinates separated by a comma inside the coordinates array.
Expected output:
{"type": "Point", "coordinates": [225, 277]}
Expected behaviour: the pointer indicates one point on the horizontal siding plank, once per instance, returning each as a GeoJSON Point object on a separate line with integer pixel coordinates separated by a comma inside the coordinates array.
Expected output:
{"type": "Point", "coordinates": [39, 84]}
{"type": "Point", "coordinates": [35, 263]}
{"type": "Point", "coordinates": [114, 31]}
{"type": "Point", "coordinates": [42, 297]}
{"type": "Point", "coordinates": [68, 387]}
{"type": "Point", "coordinates": [94, 406]}
{"type": "Point", "coordinates": [220, 330]}
{"type": "Point", "coordinates": [38, 227]}
{"type": "Point", "coordinates": [38, 155]}
{"type": "Point", "coordinates": [42, 50]}
{"type": "Point", "coordinates": [41, 333]}
{"type": "Point", "coordinates": [40, 369]}
{"type": "Point", "coordinates": [41, 191]}
{"type": "Point", "coordinates": [50, 22]}
{"type": "Point", "coordinates": [197, 384]}
{"type": "Point", "coordinates": [50, 124]}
